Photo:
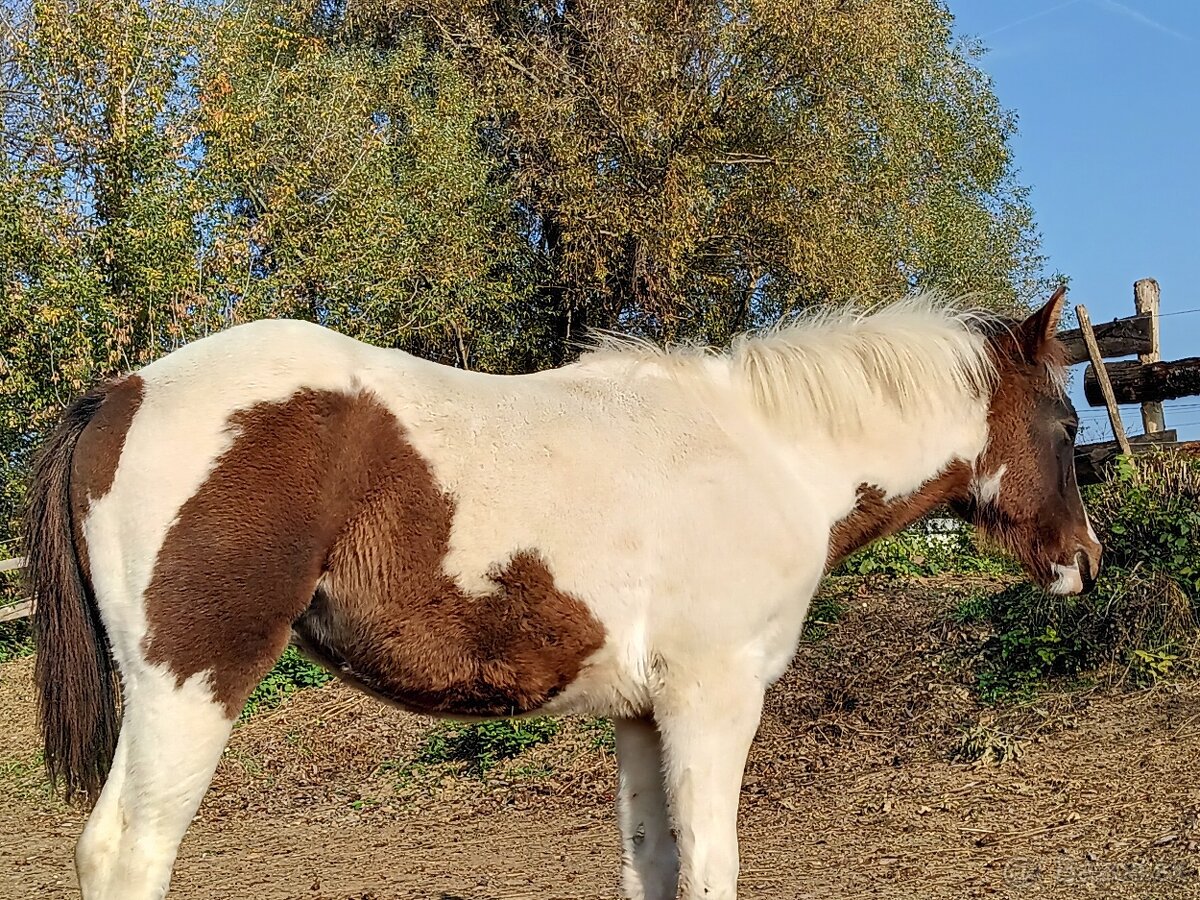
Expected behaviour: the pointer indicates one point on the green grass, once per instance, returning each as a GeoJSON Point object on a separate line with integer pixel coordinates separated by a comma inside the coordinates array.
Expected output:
{"type": "Point", "coordinates": [25, 778]}
{"type": "Point", "coordinates": [1140, 620]}
{"type": "Point", "coordinates": [914, 554]}
{"type": "Point", "coordinates": [826, 609]}
{"type": "Point", "coordinates": [602, 734]}
{"type": "Point", "coordinates": [972, 608]}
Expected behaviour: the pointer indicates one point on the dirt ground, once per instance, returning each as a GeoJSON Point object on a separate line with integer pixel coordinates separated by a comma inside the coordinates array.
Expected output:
{"type": "Point", "coordinates": [853, 790]}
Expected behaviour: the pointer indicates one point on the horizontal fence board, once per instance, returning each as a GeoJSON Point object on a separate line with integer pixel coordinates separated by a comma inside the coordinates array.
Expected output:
{"type": "Point", "coordinates": [1135, 382]}
{"type": "Point", "coordinates": [1091, 460]}
{"type": "Point", "coordinates": [1120, 337]}
{"type": "Point", "coordinates": [16, 611]}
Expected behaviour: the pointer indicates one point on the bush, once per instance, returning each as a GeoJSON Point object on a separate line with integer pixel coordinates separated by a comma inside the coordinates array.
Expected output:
{"type": "Point", "coordinates": [1141, 618]}
{"type": "Point", "coordinates": [827, 609]}
{"type": "Point", "coordinates": [1148, 517]}
{"type": "Point", "coordinates": [920, 551]}
{"type": "Point", "coordinates": [16, 639]}
{"type": "Point", "coordinates": [16, 635]}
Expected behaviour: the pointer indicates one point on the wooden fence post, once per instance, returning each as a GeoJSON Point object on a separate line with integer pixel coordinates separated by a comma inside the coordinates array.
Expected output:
{"type": "Point", "coordinates": [1114, 414]}
{"type": "Point", "coordinates": [1146, 297]}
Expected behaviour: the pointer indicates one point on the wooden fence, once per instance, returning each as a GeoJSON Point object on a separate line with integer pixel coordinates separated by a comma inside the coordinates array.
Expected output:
{"type": "Point", "coordinates": [17, 610]}
{"type": "Point", "coordinates": [1147, 381]}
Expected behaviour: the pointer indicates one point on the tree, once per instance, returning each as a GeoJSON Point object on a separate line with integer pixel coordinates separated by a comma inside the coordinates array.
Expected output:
{"type": "Point", "coordinates": [356, 191]}
{"type": "Point", "coordinates": [478, 181]}
{"type": "Point", "coordinates": [694, 168]}
{"type": "Point", "coordinates": [98, 244]}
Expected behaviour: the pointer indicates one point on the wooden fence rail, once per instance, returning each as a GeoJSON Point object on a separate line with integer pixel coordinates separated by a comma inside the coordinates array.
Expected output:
{"type": "Point", "coordinates": [1136, 382]}
{"type": "Point", "coordinates": [16, 610]}
{"type": "Point", "coordinates": [1147, 381]}
{"type": "Point", "coordinates": [1120, 337]}
{"type": "Point", "coordinates": [1092, 460]}
{"type": "Point", "coordinates": [9, 565]}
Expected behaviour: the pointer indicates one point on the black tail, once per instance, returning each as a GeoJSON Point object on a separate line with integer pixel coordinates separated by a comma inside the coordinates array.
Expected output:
{"type": "Point", "coordinates": [77, 683]}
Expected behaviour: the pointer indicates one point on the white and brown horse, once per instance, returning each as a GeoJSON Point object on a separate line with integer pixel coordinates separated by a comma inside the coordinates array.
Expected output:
{"type": "Point", "coordinates": [636, 535]}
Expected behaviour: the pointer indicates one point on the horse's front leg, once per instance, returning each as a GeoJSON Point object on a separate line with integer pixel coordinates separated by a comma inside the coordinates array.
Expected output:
{"type": "Point", "coordinates": [649, 860]}
{"type": "Point", "coordinates": [707, 724]}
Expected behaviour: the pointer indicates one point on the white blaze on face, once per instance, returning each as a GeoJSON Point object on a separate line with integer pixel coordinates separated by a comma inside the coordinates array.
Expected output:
{"type": "Point", "coordinates": [986, 488]}
{"type": "Point", "coordinates": [1067, 580]}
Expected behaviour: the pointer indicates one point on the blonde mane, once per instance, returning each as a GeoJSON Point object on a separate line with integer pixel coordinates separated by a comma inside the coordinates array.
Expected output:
{"type": "Point", "coordinates": [838, 369]}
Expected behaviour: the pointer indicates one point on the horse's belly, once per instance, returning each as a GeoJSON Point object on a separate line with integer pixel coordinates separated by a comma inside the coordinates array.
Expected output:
{"type": "Point", "coordinates": [434, 649]}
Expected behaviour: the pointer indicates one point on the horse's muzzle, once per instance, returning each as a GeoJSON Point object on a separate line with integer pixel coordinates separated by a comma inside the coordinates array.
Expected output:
{"type": "Point", "coordinates": [1087, 572]}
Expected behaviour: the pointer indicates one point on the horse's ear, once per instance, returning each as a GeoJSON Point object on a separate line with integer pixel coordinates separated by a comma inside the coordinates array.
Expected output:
{"type": "Point", "coordinates": [1039, 329]}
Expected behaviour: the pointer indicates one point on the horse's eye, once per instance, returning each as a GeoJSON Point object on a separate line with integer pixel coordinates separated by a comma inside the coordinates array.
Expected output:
{"type": "Point", "coordinates": [1071, 427]}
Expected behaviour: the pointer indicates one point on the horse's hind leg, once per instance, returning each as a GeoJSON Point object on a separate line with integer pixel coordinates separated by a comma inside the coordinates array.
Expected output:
{"type": "Point", "coordinates": [100, 843]}
{"type": "Point", "coordinates": [171, 740]}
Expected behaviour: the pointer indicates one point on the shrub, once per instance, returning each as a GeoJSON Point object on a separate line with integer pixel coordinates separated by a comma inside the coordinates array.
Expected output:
{"type": "Point", "coordinates": [826, 609]}
{"type": "Point", "coordinates": [920, 551]}
{"type": "Point", "coordinates": [16, 635]}
{"type": "Point", "coordinates": [1141, 617]}
{"type": "Point", "coordinates": [16, 639]}
{"type": "Point", "coordinates": [1148, 517]}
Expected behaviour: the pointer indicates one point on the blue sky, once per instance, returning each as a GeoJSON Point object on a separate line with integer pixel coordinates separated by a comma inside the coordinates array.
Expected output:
{"type": "Point", "coordinates": [1108, 99]}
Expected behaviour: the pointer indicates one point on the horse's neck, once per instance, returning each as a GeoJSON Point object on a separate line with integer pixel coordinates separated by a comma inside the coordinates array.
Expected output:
{"type": "Point", "coordinates": [891, 477]}
{"type": "Point", "coordinates": [875, 515]}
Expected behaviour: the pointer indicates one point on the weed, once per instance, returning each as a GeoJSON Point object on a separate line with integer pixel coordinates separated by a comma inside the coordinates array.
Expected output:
{"type": "Point", "coordinates": [1149, 666]}
{"type": "Point", "coordinates": [481, 746]}
{"type": "Point", "coordinates": [292, 673]}
{"type": "Point", "coordinates": [602, 733]}
{"type": "Point", "coordinates": [1149, 517]}
{"type": "Point", "coordinates": [1143, 609]}
{"type": "Point", "coordinates": [983, 743]}
{"type": "Point", "coordinates": [530, 772]}
{"type": "Point", "coordinates": [972, 608]}
{"type": "Point", "coordinates": [25, 778]}
{"type": "Point", "coordinates": [250, 763]}
{"type": "Point", "coordinates": [997, 685]}
{"type": "Point", "coordinates": [826, 610]}
{"type": "Point", "coordinates": [919, 552]}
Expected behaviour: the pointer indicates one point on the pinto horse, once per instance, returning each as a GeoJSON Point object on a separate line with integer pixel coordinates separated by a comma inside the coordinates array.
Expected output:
{"type": "Point", "coordinates": [636, 535]}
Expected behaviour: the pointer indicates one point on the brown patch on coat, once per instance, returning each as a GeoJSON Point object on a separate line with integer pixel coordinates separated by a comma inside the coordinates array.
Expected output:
{"type": "Point", "coordinates": [94, 465]}
{"type": "Point", "coordinates": [873, 517]}
{"type": "Point", "coordinates": [323, 514]}
{"type": "Point", "coordinates": [94, 462]}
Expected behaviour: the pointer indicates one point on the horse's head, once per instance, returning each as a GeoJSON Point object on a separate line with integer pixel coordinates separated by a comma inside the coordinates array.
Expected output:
{"type": "Point", "coordinates": [1024, 494]}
